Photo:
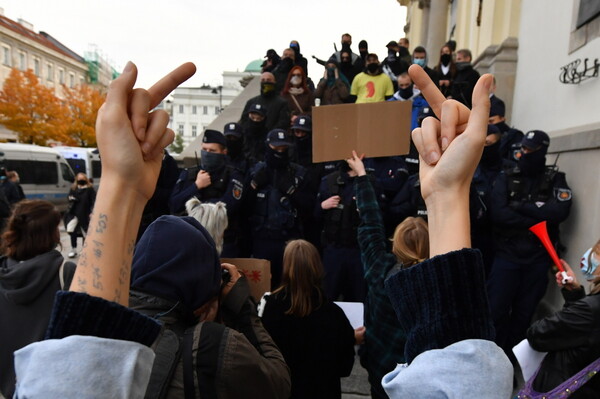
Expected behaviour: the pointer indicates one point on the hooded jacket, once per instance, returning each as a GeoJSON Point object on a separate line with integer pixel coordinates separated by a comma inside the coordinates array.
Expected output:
{"type": "Point", "coordinates": [26, 296]}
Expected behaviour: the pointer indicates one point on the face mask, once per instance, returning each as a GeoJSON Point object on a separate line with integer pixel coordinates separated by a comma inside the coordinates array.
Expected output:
{"type": "Point", "coordinates": [234, 148]}
{"type": "Point", "coordinates": [589, 264]}
{"type": "Point", "coordinates": [296, 80]}
{"type": "Point", "coordinates": [407, 92]}
{"type": "Point", "coordinates": [330, 72]}
{"type": "Point", "coordinates": [287, 63]}
{"type": "Point", "coordinates": [419, 61]}
{"type": "Point", "coordinates": [267, 89]}
{"type": "Point", "coordinates": [372, 68]}
{"type": "Point", "coordinates": [491, 155]}
{"type": "Point", "coordinates": [461, 66]}
{"type": "Point", "coordinates": [211, 161]}
{"type": "Point", "coordinates": [445, 59]}
{"type": "Point", "coordinates": [303, 144]}
{"type": "Point", "coordinates": [502, 126]}
{"type": "Point", "coordinates": [533, 164]}
{"type": "Point", "coordinates": [82, 182]}
{"type": "Point", "coordinates": [275, 159]}
{"type": "Point", "coordinates": [363, 54]}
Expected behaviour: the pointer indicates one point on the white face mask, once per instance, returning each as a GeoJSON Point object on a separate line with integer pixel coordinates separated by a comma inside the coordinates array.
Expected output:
{"type": "Point", "coordinates": [589, 264]}
{"type": "Point", "coordinates": [296, 80]}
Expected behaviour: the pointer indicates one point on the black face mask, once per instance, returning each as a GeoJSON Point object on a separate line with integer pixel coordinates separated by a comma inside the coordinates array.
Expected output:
{"type": "Point", "coordinates": [502, 126]}
{"type": "Point", "coordinates": [234, 147]}
{"type": "Point", "coordinates": [252, 128]}
{"type": "Point", "coordinates": [287, 63]}
{"type": "Point", "coordinates": [363, 54]}
{"type": "Point", "coordinates": [491, 155]}
{"type": "Point", "coordinates": [267, 89]}
{"type": "Point", "coordinates": [533, 164]}
{"type": "Point", "coordinates": [303, 144]}
{"type": "Point", "coordinates": [445, 59]}
{"type": "Point", "coordinates": [212, 161]}
{"type": "Point", "coordinates": [331, 72]}
{"type": "Point", "coordinates": [82, 182]}
{"type": "Point", "coordinates": [373, 67]}
{"type": "Point", "coordinates": [275, 159]}
{"type": "Point", "coordinates": [407, 92]}
{"type": "Point", "coordinates": [461, 66]}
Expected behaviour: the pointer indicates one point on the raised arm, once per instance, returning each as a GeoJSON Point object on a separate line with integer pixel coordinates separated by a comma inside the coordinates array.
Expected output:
{"type": "Point", "coordinates": [131, 139]}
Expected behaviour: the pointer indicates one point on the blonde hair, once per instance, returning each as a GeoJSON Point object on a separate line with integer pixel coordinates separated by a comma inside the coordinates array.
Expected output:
{"type": "Point", "coordinates": [410, 242]}
{"type": "Point", "coordinates": [302, 278]}
{"type": "Point", "coordinates": [212, 216]}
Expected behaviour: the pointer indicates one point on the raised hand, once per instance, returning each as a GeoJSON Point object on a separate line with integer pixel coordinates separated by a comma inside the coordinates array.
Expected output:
{"type": "Point", "coordinates": [130, 137]}
{"type": "Point", "coordinates": [449, 151]}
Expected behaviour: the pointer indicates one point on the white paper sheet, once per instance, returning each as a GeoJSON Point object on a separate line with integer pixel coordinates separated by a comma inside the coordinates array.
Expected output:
{"type": "Point", "coordinates": [354, 312]}
{"type": "Point", "coordinates": [529, 359]}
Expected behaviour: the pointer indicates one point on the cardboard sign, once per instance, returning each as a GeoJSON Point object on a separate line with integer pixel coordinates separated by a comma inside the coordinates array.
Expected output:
{"type": "Point", "coordinates": [375, 129]}
{"type": "Point", "coordinates": [257, 271]}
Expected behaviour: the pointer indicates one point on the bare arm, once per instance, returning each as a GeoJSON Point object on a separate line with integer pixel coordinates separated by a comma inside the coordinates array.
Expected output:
{"type": "Point", "coordinates": [131, 140]}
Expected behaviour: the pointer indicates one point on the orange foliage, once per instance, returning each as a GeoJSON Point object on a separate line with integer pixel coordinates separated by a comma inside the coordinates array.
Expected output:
{"type": "Point", "coordinates": [81, 108]}
{"type": "Point", "coordinates": [31, 109]}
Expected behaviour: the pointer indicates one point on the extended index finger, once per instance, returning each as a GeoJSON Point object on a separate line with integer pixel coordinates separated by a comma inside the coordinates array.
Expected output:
{"type": "Point", "coordinates": [167, 84]}
{"type": "Point", "coordinates": [432, 94]}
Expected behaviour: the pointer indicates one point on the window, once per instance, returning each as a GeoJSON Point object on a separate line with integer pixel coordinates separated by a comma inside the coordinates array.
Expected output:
{"type": "Point", "coordinates": [49, 72]}
{"type": "Point", "coordinates": [61, 76]}
{"type": "Point", "coordinates": [6, 56]}
{"type": "Point", "coordinates": [67, 173]}
{"type": "Point", "coordinates": [194, 130]}
{"type": "Point", "coordinates": [71, 80]}
{"type": "Point", "coordinates": [194, 109]}
{"type": "Point", "coordinates": [180, 128]}
{"type": "Point", "coordinates": [96, 169]}
{"type": "Point", "coordinates": [78, 165]}
{"type": "Point", "coordinates": [205, 110]}
{"type": "Point", "coordinates": [181, 109]}
{"type": "Point", "coordinates": [22, 63]}
{"type": "Point", "coordinates": [217, 109]}
{"type": "Point", "coordinates": [36, 66]}
{"type": "Point", "coordinates": [35, 172]}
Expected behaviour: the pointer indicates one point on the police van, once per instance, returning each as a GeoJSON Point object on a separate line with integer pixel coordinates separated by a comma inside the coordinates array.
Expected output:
{"type": "Point", "coordinates": [43, 172]}
{"type": "Point", "coordinates": [83, 160]}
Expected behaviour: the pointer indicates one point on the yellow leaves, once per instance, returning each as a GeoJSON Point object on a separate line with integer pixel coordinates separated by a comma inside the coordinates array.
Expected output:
{"type": "Point", "coordinates": [38, 116]}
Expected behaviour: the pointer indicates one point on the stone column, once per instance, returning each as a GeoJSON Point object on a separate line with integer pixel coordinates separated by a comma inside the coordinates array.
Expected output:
{"type": "Point", "coordinates": [437, 30]}
{"type": "Point", "coordinates": [424, 6]}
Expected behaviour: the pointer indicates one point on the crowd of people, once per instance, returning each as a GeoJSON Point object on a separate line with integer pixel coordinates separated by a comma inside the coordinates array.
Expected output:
{"type": "Point", "coordinates": [394, 233]}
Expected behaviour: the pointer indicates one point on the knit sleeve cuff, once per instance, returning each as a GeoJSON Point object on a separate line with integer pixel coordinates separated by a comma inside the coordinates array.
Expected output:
{"type": "Point", "coordinates": [441, 301]}
{"type": "Point", "coordinates": [81, 314]}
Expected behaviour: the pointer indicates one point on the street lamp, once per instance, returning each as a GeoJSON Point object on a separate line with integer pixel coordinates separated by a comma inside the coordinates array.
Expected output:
{"type": "Point", "coordinates": [220, 91]}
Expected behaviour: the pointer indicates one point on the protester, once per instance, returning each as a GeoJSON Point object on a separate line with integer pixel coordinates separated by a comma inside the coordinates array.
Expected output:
{"type": "Point", "coordinates": [272, 60]}
{"type": "Point", "coordinates": [420, 58]}
{"type": "Point", "coordinates": [213, 217]}
{"type": "Point", "coordinates": [355, 60]}
{"type": "Point", "coordinates": [441, 303]}
{"type": "Point", "coordinates": [465, 79]}
{"type": "Point", "coordinates": [274, 107]}
{"type": "Point", "coordinates": [10, 190]}
{"type": "Point", "coordinates": [313, 334]}
{"type": "Point", "coordinates": [522, 197]}
{"type": "Point", "coordinates": [31, 271]}
{"type": "Point", "coordinates": [297, 94]}
{"type": "Point", "coordinates": [213, 180]}
{"type": "Point", "coordinates": [13, 177]}
{"type": "Point", "coordinates": [372, 85]}
{"type": "Point", "coordinates": [384, 338]}
{"type": "Point", "coordinates": [299, 59]}
{"type": "Point", "coordinates": [283, 69]}
{"type": "Point", "coordinates": [570, 336]}
{"type": "Point", "coordinates": [445, 70]}
{"type": "Point", "coordinates": [334, 87]}
{"type": "Point", "coordinates": [82, 197]}
{"type": "Point", "coordinates": [363, 49]}
{"type": "Point", "coordinates": [393, 65]}
{"type": "Point", "coordinates": [347, 68]}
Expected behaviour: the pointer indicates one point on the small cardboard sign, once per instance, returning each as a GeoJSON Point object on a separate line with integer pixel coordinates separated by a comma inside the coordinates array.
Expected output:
{"type": "Point", "coordinates": [257, 271]}
{"type": "Point", "coordinates": [375, 129]}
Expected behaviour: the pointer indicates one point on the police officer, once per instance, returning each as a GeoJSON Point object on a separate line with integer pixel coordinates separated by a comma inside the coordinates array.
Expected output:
{"type": "Point", "coordinates": [234, 136]}
{"type": "Point", "coordinates": [275, 196]}
{"type": "Point", "coordinates": [522, 197]}
{"type": "Point", "coordinates": [336, 207]}
{"type": "Point", "coordinates": [212, 181]}
{"type": "Point", "coordinates": [255, 132]}
{"type": "Point", "coordinates": [510, 141]}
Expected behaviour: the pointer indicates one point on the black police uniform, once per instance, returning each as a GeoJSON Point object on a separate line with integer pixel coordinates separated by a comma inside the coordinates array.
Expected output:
{"type": "Point", "coordinates": [519, 274]}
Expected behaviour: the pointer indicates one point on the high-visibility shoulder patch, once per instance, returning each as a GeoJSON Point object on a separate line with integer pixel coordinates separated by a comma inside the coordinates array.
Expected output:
{"type": "Point", "coordinates": [564, 194]}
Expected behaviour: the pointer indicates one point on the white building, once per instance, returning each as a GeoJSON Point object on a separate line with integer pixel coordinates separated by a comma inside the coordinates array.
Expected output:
{"type": "Point", "coordinates": [192, 109]}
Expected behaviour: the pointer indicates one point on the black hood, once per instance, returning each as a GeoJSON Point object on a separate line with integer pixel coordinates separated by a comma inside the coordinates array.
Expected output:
{"type": "Point", "coordinates": [22, 282]}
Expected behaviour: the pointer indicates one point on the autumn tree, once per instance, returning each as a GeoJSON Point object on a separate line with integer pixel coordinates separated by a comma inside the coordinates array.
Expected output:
{"type": "Point", "coordinates": [31, 109]}
{"type": "Point", "coordinates": [81, 109]}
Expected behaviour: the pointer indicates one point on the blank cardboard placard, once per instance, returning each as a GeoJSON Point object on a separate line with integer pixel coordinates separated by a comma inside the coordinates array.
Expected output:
{"type": "Point", "coordinates": [257, 271]}
{"type": "Point", "coordinates": [375, 129]}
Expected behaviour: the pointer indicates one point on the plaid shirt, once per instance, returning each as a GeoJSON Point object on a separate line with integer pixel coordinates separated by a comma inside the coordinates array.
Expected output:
{"type": "Point", "coordinates": [384, 340]}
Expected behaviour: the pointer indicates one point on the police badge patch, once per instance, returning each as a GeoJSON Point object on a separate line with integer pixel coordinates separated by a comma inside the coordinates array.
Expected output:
{"type": "Point", "coordinates": [237, 190]}
{"type": "Point", "coordinates": [563, 194]}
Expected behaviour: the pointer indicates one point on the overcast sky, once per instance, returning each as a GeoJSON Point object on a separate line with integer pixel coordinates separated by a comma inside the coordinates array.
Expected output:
{"type": "Point", "coordinates": [218, 35]}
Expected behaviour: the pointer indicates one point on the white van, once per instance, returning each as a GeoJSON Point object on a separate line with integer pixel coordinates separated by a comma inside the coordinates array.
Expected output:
{"type": "Point", "coordinates": [83, 160]}
{"type": "Point", "coordinates": [43, 172]}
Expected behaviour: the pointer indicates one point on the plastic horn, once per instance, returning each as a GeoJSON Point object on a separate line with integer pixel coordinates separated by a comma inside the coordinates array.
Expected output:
{"type": "Point", "coordinates": [541, 232]}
